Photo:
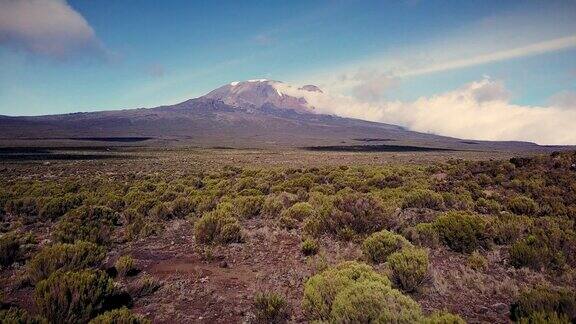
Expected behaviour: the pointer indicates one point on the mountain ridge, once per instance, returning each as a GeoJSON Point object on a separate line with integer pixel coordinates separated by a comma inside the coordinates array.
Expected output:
{"type": "Point", "coordinates": [253, 113]}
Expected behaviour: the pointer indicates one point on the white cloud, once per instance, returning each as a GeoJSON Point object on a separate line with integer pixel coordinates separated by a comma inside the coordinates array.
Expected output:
{"type": "Point", "coordinates": [564, 100]}
{"type": "Point", "coordinates": [522, 51]}
{"type": "Point", "coordinates": [478, 110]}
{"type": "Point", "coordinates": [46, 27]}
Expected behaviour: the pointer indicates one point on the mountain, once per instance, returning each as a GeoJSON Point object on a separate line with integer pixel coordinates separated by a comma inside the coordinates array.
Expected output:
{"type": "Point", "coordinates": [253, 113]}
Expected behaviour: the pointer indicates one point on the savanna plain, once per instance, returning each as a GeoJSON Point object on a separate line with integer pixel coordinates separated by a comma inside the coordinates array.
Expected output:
{"type": "Point", "coordinates": [140, 235]}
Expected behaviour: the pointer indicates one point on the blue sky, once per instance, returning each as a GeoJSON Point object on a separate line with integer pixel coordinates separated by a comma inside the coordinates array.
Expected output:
{"type": "Point", "coordinates": [128, 54]}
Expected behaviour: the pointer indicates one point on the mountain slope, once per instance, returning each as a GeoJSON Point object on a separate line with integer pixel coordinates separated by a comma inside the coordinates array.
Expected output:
{"type": "Point", "coordinates": [254, 113]}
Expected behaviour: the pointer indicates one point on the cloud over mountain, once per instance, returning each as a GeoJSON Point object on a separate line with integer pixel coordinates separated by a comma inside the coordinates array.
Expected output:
{"type": "Point", "coordinates": [478, 110]}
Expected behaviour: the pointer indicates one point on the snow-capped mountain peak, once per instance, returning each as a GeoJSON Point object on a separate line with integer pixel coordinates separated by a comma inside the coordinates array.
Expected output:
{"type": "Point", "coordinates": [258, 93]}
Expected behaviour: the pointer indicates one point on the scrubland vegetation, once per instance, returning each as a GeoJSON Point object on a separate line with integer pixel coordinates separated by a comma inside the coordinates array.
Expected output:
{"type": "Point", "coordinates": [406, 243]}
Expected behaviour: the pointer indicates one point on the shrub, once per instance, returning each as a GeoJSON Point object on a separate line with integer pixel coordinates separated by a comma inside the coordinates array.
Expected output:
{"type": "Point", "coordinates": [534, 252]}
{"type": "Point", "coordinates": [509, 228]}
{"type": "Point", "coordinates": [119, 316]}
{"type": "Point", "coordinates": [248, 206]}
{"type": "Point", "coordinates": [321, 289]}
{"type": "Point", "coordinates": [182, 207]}
{"type": "Point", "coordinates": [160, 211]}
{"type": "Point", "coordinates": [291, 217]}
{"type": "Point", "coordinates": [9, 248]}
{"type": "Point", "coordinates": [378, 246]}
{"type": "Point", "coordinates": [87, 223]}
{"type": "Point", "coordinates": [126, 266]}
{"type": "Point", "coordinates": [422, 198]}
{"type": "Point", "coordinates": [409, 268]}
{"type": "Point", "coordinates": [65, 257]}
{"type": "Point", "coordinates": [443, 318]}
{"type": "Point", "coordinates": [373, 302]}
{"type": "Point", "coordinates": [144, 286]}
{"type": "Point", "coordinates": [488, 206]}
{"type": "Point", "coordinates": [270, 308]}
{"type": "Point", "coordinates": [477, 261]}
{"type": "Point", "coordinates": [538, 300]}
{"type": "Point", "coordinates": [459, 201]}
{"type": "Point", "coordinates": [58, 206]}
{"type": "Point", "coordinates": [309, 247]}
{"type": "Point", "coordinates": [461, 231]}
{"type": "Point", "coordinates": [275, 203]}
{"type": "Point", "coordinates": [522, 205]}
{"type": "Point", "coordinates": [14, 315]}
{"type": "Point", "coordinates": [218, 226]}
{"type": "Point", "coordinates": [73, 297]}
{"type": "Point", "coordinates": [423, 234]}
{"type": "Point", "coordinates": [26, 207]}
{"type": "Point", "coordinates": [355, 213]}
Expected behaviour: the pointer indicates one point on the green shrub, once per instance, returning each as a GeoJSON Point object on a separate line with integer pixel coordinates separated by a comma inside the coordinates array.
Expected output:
{"type": "Point", "coordinates": [14, 315]}
{"type": "Point", "coordinates": [119, 316]}
{"type": "Point", "coordinates": [309, 247]}
{"type": "Point", "coordinates": [535, 301]}
{"type": "Point", "coordinates": [65, 257]}
{"type": "Point", "coordinates": [378, 246]}
{"type": "Point", "coordinates": [373, 302]}
{"type": "Point", "coordinates": [477, 261]}
{"type": "Point", "coordinates": [522, 205]}
{"type": "Point", "coordinates": [422, 198]}
{"type": "Point", "coordinates": [509, 228]}
{"type": "Point", "coordinates": [460, 201]}
{"type": "Point", "coordinates": [461, 231]}
{"type": "Point", "coordinates": [270, 308]}
{"type": "Point", "coordinates": [275, 203]}
{"type": "Point", "coordinates": [423, 234]}
{"type": "Point", "coordinates": [126, 266]}
{"type": "Point", "coordinates": [321, 289]}
{"type": "Point", "coordinates": [443, 318]}
{"type": "Point", "coordinates": [161, 211]}
{"type": "Point", "coordinates": [88, 223]}
{"type": "Point", "coordinates": [488, 206]}
{"type": "Point", "coordinates": [58, 206]}
{"type": "Point", "coordinates": [182, 207]}
{"type": "Point", "coordinates": [218, 226]}
{"type": "Point", "coordinates": [73, 297]}
{"type": "Point", "coordinates": [386, 181]}
{"type": "Point", "coordinates": [248, 206]}
{"type": "Point", "coordinates": [291, 217]}
{"type": "Point", "coordinates": [140, 227]}
{"type": "Point", "coordinates": [26, 208]}
{"type": "Point", "coordinates": [545, 318]}
{"type": "Point", "coordinates": [534, 252]}
{"type": "Point", "coordinates": [409, 268]}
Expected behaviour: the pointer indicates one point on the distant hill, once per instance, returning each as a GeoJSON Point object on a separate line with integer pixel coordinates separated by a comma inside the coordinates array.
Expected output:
{"type": "Point", "coordinates": [253, 113]}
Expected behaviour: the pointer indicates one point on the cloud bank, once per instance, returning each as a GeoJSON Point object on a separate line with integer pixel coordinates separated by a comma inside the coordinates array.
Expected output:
{"type": "Point", "coordinates": [49, 28]}
{"type": "Point", "coordinates": [478, 110]}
